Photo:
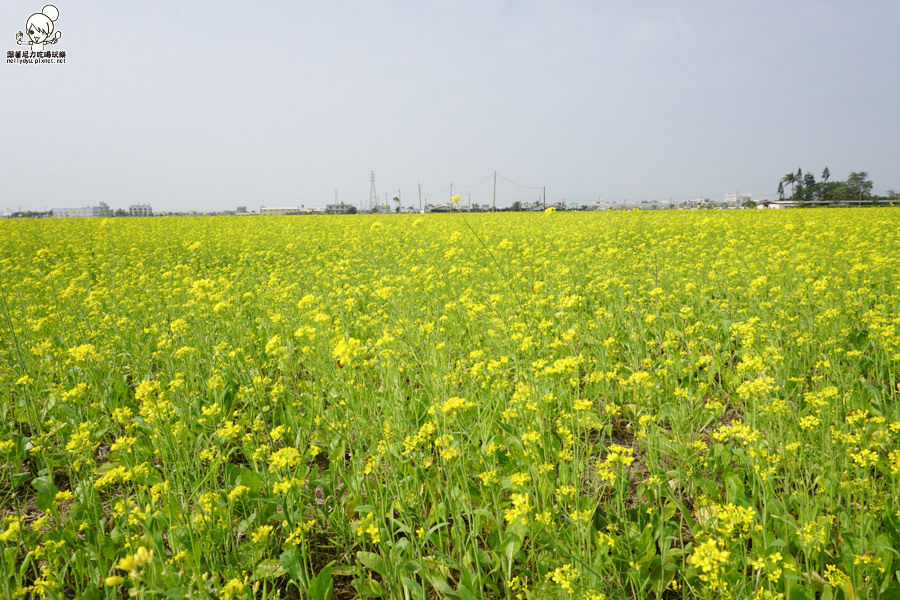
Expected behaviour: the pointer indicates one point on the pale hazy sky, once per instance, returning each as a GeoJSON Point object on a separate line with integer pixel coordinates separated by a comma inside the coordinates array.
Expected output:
{"type": "Point", "coordinates": [210, 105]}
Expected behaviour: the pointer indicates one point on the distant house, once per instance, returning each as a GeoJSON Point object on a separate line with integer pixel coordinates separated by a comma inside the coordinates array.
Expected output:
{"type": "Point", "coordinates": [737, 199]}
{"type": "Point", "coordinates": [285, 210]}
{"type": "Point", "coordinates": [66, 213]}
{"type": "Point", "coordinates": [140, 210]}
{"type": "Point", "coordinates": [779, 204]}
{"type": "Point", "coordinates": [102, 210]}
{"type": "Point", "coordinates": [697, 203]}
{"type": "Point", "coordinates": [338, 209]}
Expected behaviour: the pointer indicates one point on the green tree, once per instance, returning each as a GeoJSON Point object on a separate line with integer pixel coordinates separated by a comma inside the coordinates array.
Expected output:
{"type": "Point", "coordinates": [826, 174]}
{"type": "Point", "coordinates": [790, 179]}
{"type": "Point", "coordinates": [860, 183]}
{"type": "Point", "coordinates": [810, 187]}
{"type": "Point", "coordinates": [781, 190]}
{"type": "Point", "coordinates": [837, 191]}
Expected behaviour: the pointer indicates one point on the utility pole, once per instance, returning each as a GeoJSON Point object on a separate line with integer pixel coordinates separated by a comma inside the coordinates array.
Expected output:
{"type": "Point", "coordinates": [545, 197]}
{"type": "Point", "coordinates": [451, 189]}
{"type": "Point", "coordinates": [420, 197]}
{"type": "Point", "coordinates": [494, 207]}
{"type": "Point", "coordinates": [470, 201]}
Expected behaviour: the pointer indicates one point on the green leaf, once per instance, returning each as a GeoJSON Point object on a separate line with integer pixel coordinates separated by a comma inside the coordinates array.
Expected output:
{"type": "Point", "coordinates": [369, 588]}
{"type": "Point", "coordinates": [23, 445]}
{"type": "Point", "coordinates": [373, 562]}
{"type": "Point", "coordinates": [268, 569]}
{"type": "Point", "coordinates": [86, 498]}
{"type": "Point", "coordinates": [109, 548]}
{"type": "Point", "coordinates": [20, 478]}
{"type": "Point", "coordinates": [290, 560]}
{"type": "Point", "coordinates": [246, 524]}
{"type": "Point", "coordinates": [798, 592]}
{"type": "Point", "coordinates": [891, 592]}
{"type": "Point", "coordinates": [414, 587]}
{"type": "Point", "coordinates": [709, 487]}
{"type": "Point", "coordinates": [465, 593]}
{"type": "Point", "coordinates": [734, 487]}
{"type": "Point", "coordinates": [661, 575]}
{"type": "Point", "coordinates": [441, 586]}
{"type": "Point", "coordinates": [669, 511]}
{"type": "Point", "coordinates": [46, 491]}
{"type": "Point", "coordinates": [238, 475]}
{"type": "Point", "coordinates": [321, 587]}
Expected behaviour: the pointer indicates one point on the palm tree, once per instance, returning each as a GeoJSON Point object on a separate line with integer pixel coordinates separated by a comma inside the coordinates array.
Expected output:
{"type": "Point", "coordinates": [790, 179]}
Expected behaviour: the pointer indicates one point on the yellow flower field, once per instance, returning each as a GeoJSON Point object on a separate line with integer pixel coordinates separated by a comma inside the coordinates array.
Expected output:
{"type": "Point", "coordinates": [666, 404]}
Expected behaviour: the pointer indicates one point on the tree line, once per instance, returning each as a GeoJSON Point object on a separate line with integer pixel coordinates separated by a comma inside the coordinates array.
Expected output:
{"type": "Point", "coordinates": [804, 188]}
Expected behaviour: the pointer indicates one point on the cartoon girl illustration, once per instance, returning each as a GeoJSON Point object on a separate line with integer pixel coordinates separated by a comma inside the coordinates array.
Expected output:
{"type": "Point", "coordinates": [40, 29]}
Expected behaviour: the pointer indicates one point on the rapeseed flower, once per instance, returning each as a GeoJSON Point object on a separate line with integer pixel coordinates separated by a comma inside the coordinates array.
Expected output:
{"type": "Point", "coordinates": [284, 458]}
{"type": "Point", "coordinates": [149, 364]}
{"type": "Point", "coordinates": [710, 560]}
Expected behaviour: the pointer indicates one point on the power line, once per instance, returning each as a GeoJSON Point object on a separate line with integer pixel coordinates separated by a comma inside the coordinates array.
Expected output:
{"type": "Point", "coordinates": [477, 183]}
{"type": "Point", "coordinates": [527, 187]}
{"type": "Point", "coordinates": [440, 193]}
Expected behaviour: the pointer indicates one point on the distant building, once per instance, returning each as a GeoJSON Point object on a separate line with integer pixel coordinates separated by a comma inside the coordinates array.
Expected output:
{"type": "Point", "coordinates": [338, 209]}
{"type": "Point", "coordinates": [65, 213]}
{"type": "Point", "coordinates": [242, 210]}
{"type": "Point", "coordinates": [101, 211]}
{"type": "Point", "coordinates": [285, 210]}
{"type": "Point", "coordinates": [697, 203]}
{"type": "Point", "coordinates": [87, 211]}
{"type": "Point", "coordinates": [737, 199]}
{"type": "Point", "coordinates": [140, 210]}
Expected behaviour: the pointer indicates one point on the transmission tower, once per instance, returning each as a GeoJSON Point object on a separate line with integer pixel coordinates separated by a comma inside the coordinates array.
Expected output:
{"type": "Point", "coordinates": [373, 197]}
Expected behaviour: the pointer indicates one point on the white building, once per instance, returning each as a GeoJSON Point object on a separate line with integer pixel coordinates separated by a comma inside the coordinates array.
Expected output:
{"type": "Point", "coordinates": [140, 210]}
{"type": "Point", "coordinates": [737, 199]}
{"type": "Point", "coordinates": [87, 211]}
{"type": "Point", "coordinates": [780, 204]}
{"type": "Point", "coordinates": [71, 212]}
{"type": "Point", "coordinates": [696, 203]}
{"type": "Point", "coordinates": [285, 210]}
{"type": "Point", "coordinates": [101, 211]}
{"type": "Point", "coordinates": [338, 209]}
